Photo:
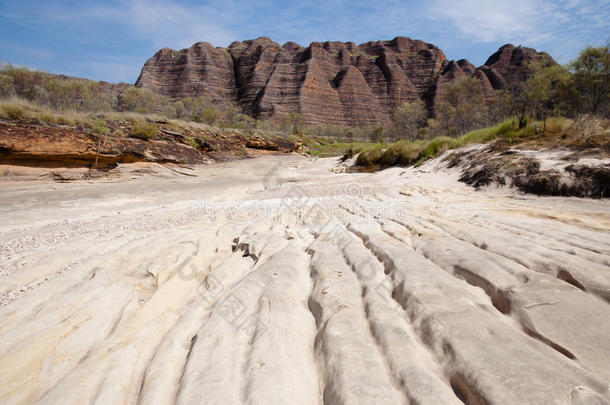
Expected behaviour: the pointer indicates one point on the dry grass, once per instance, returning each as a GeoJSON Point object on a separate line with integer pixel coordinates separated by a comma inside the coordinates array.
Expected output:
{"type": "Point", "coordinates": [560, 132]}
{"type": "Point", "coordinates": [143, 130]}
{"type": "Point", "coordinates": [16, 109]}
{"type": "Point", "coordinates": [13, 112]}
{"type": "Point", "coordinates": [587, 132]}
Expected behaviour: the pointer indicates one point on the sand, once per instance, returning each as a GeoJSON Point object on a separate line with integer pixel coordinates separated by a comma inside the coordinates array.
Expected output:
{"type": "Point", "coordinates": [280, 280]}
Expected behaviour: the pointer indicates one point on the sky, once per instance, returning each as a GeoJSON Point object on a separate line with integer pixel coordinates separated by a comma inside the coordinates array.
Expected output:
{"type": "Point", "coordinates": [110, 40]}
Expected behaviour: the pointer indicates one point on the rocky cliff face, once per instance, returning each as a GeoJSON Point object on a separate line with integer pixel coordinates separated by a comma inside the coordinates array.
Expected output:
{"type": "Point", "coordinates": [53, 146]}
{"type": "Point", "coordinates": [331, 82]}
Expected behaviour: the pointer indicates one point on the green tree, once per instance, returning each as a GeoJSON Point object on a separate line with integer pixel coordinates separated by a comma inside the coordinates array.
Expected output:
{"type": "Point", "coordinates": [138, 99]}
{"type": "Point", "coordinates": [434, 128]}
{"type": "Point", "coordinates": [350, 135]}
{"type": "Point", "coordinates": [268, 125]}
{"type": "Point", "coordinates": [58, 92]}
{"type": "Point", "coordinates": [98, 125]}
{"type": "Point", "coordinates": [231, 114]}
{"type": "Point", "coordinates": [467, 107]}
{"type": "Point", "coordinates": [537, 93]}
{"type": "Point", "coordinates": [376, 135]}
{"type": "Point", "coordinates": [546, 91]}
{"type": "Point", "coordinates": [27, 83]}
{"type": "Point", "coordinates": [446, 122]}
{"type": "Point", "coordinates": [409, 118]}
{"type": "Point", "coordinates": [94, 98]}
{"type": "Point", "coordinates": [500, 106]}
{"type": "Point", "coordinates": [7, 88]}
{"type": "Point", "coordinates": [360, 134]}
{"type": "Point", "coordinates": [198, 109]}
{"type": "Point", "coordinates": [293, 123]}
{"type": "Point", "coordinates": [64, 94]}
{"type": "Point", "coordinates": [208, 116]}
{"type": "Point", "coordinates": [592, 77]}
{"type": "Point", "coordinates": [179, 109]}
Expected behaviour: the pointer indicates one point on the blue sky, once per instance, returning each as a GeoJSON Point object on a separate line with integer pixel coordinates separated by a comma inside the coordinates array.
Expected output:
{"type": "Point", "coordinates": [111, 40]}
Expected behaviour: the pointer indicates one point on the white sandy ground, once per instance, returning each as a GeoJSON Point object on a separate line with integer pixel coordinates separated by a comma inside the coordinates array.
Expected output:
{"type": "Point", "coordinates": [278, 281]}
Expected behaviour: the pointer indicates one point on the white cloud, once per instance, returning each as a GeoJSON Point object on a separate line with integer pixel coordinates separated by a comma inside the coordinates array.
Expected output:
{"type": "Point", "coordinates": [35, 53]}
{"type": "Point", "coordinates": [167, 23]}
{"type": "Point", "coordinates": [560, 27]}
{"type": "Point", "coordinates": [115, 38]}
{"type": "Point", "coordinates": [490, 21]}
{"type": "Point", "coordinates": [162, 23]}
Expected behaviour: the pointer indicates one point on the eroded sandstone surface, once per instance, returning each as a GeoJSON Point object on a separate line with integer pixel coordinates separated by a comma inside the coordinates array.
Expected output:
{"type": "Point", "coordinates": [327, 82]}
{"type": "Point", "coordinates": [279, 281]}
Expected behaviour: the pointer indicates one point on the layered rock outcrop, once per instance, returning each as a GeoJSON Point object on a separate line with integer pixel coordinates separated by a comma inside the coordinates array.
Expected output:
{"type": "Point", "coordinates": [40, 145]}
{"type": "Point", "coordinates": [327, 82]}
{"type": "Point", "coordinates": [505, 69]}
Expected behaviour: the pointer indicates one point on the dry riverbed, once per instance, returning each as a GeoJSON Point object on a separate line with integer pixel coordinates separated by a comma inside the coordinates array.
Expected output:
{"type": "Point", "coordinates": [279, 280]}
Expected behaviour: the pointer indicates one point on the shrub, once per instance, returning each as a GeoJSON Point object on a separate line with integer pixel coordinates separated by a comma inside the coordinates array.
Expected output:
{"type": "Point", "coordinates": [50, 118]}
{"type": "Point", "coordinates": [98, 125]}
{"type": "Point", "coordinates": [143, 130]}
{"type": "Point", "coordinates": [407, 153]}
{"type": "Point", "coordinates": [198, 109]}
{"type": "Point", "coordinates": [558, 124]}
{"type": "Point", "coordinates": [401, 153]}
{"type": "Point", "coordinates": [7, 89]}
{"type": "Point", "coordinates": [504, 128]}
{"type": "Point", "coordinates": [75, 94]}
{"type": "Point", "coordinates": [293, 123]}
{"type": "Point", "coordinates": [376, 135]}
{"type": "Point", "coordinates": [138, 99]}
{"type": "Point", "coordinates": [435, 147]}
{"type": "Point", "coordinates": [207, 116]}
{"type": "Point", "coordinates": [369, 156]}
{"type": "Point", "coordinates": [192, 142]}
{"type": "Point", "coordinates": [171, 112]}
{"type": "Point", "coordinates": [13, 112]}
{"type": "Point", "coordinates": [57, 92]}
{"type": "Point", "coordinates": [178, 108]}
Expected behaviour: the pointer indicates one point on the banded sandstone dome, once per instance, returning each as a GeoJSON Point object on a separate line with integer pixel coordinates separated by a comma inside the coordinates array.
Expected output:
{"type": "Point", "coordinates": [327, 82]}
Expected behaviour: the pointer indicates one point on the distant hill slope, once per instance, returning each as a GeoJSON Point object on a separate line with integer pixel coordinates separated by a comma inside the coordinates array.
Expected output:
{"type": "Point", "coordinates": [331, 82]}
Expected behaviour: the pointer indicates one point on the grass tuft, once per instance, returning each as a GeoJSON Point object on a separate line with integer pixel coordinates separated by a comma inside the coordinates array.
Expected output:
{"type": "Point", "coordinates": [143, 130]}
{"type": "Point", "coordinates": [13, 112]}
{"type": "Point", "coordinates": [192, 142]}
{"type": "Point", "coordinates": [416, 152]}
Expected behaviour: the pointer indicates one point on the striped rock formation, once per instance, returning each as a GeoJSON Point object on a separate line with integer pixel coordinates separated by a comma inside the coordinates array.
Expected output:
{"type": "Point", "coordinates": [337, 83]}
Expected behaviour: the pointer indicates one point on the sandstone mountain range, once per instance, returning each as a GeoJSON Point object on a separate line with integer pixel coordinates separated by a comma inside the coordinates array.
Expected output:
{"type": "Point", "coordinates": [338, 83]}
